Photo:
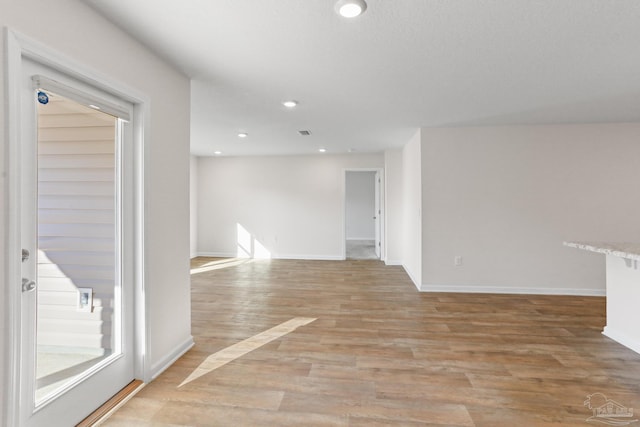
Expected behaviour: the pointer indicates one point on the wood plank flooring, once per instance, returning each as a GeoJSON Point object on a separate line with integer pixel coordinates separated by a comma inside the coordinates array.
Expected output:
{"type": "Point", "coordinates": [381, 354]}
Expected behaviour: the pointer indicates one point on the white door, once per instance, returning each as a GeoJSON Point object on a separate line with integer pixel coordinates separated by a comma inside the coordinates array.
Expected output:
{"type": "Point", "coordinates": [76, 214]}
{"type": "Point", "coordinates": [377, 213]}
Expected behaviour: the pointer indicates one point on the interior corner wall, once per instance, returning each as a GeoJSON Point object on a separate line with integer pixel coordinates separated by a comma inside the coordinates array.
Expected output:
{"type": "Point", "coordinates": [505, 198]}
{"type": "Point", "coordinates": [412, 209]}
{"type": "Point", "coordinates": [79, 33]}
{"type": "Point", "coordinates": [289, 206]}
{"type": "Point", "coordinates": [193, 206]}
{"type": "Point", "coordinates": [393, 206]}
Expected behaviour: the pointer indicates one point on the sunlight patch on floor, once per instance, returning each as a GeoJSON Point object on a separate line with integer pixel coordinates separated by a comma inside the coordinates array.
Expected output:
{"type": "Point", "coordinates": [235, 351]}
{"type": "Point", "coordinates": [218, 265]}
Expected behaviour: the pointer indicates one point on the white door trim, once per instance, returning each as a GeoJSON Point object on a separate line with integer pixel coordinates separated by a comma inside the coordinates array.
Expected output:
{"type": "Point", "coordinates": [382, 209]}
{"type": "Point", "coordinates": [18, 47]}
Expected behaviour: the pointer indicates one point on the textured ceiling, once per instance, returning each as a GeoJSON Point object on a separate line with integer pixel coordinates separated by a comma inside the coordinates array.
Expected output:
{"type": "Point", "coordinates": [366, 84]}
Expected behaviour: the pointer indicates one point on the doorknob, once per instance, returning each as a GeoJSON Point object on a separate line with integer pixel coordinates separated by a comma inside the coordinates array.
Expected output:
{"type": "Point", "coordinates": [28, 285]}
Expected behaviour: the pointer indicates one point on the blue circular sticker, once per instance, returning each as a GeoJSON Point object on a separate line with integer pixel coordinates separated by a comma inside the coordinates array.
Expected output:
{"type": "Point", "coordinates": [43, 98]}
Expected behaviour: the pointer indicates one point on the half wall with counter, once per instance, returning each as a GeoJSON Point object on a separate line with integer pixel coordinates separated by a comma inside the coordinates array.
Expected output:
{"type": "Point", "coordinates": [623, 290]}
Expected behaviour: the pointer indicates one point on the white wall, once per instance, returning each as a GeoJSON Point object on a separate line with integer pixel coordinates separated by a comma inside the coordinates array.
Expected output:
{"type": "Point", "coordinates": [412, 237]}
{"type": "Point", "coordinates": [73, 29]}
{"type": "Point", "coordinates": [393, 206]}
{"type": "Point", "coordinates": [505, 198]}
{"type": "Point", "coordinates": [360, 205]}
{"type": "Point", "coordinates": [193, 205]}
{"type": "Point", "coordinates": [623, 294]}
{"type": "Point", "coordinates": [291, 205]}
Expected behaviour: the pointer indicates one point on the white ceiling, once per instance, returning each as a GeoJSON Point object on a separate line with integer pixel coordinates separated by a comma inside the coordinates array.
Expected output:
{"type": "Point", "coordinates": [366, 84]}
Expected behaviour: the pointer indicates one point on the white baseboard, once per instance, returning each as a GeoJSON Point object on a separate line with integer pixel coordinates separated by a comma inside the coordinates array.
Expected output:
{"type": "Point", "coordinates": [388, 262]}
{"type": "Point", "coordinates": [164, 363]}
{"type": "Point", "coordinates": [278, 256]}
{"type": "Point", "coordinates": [362, 239]}
{"type": "Point", "coordinates": [218, 254]}
{"type": "Point", "coordinates": [413, 279]}
{"type": "Point", "coordinates": [621, 338]}
{"type": "Point", "coordinates": [428, 287]}
{"type": "Point", "coordinates": [311, 257]}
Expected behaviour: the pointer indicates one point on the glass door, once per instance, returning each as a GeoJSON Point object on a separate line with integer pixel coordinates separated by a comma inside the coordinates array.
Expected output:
{"type": "Point", "coordinates": [77, 256]}
{"type": "Point", "coordinates": [77, 345]}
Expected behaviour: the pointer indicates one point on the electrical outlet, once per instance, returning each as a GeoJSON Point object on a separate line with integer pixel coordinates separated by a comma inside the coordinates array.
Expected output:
{"type": "Point", "coordinates": [85, 300]}
{"type": "Point", "coordinates": [457, 260]}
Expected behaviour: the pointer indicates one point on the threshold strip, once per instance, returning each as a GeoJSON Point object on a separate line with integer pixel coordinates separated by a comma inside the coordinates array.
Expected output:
{"type": "Point", "coordinates": [235, 351]}
{"type": "Point", "coordinates": [98, 416]}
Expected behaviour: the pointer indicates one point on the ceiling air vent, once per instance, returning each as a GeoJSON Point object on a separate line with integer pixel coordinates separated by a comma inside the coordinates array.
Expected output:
{"type": "Point", "coordinates": [304, 132]}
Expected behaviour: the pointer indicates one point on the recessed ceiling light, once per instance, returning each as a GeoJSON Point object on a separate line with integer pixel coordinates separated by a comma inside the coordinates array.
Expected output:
{"type": "Point", "coordinates": [322, 150]}
{"type": "Point", "coordinates": [290, 104]}
{"type": "Point", "coordinates": [350, 8]}
{"type": "Point", "coordinates": [95, 107]}
{"type": "Point", "coordinates": [243, 135]}
{"type": "Point", "coordinates": [217, 153]}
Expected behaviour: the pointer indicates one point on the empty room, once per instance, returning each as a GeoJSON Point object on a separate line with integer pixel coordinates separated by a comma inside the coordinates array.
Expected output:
{"type": "Point", "coordinates": [320, 213]}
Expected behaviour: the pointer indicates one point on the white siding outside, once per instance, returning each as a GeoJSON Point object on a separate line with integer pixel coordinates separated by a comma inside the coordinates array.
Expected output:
{"type": "Point", "coordinates": [76, 226]}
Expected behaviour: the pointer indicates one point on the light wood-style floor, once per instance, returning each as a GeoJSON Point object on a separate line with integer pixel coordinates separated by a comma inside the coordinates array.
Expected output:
{"type": "Point", "coordinates": [380, 353]}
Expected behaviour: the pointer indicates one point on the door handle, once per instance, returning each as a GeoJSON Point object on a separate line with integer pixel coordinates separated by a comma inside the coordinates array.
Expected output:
{"type": "Point", "coordinates": [28, 285]}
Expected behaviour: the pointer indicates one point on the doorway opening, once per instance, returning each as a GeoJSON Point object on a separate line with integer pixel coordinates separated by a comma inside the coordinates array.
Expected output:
{"type": "Point", "coordinates": [75, 216]}
{"type": "Point", "coordinates": [363, 214]}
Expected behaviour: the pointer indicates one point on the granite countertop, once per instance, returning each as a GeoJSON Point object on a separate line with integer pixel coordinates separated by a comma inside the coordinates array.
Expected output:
{"type": "Point", "coordinates": [622, 250]}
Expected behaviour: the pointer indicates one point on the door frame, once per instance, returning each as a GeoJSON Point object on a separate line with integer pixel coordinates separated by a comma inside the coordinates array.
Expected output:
{"type": "Point", "coordinates": [18, 47]}
{"type": "Point", "coordinates": [380, 171]}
